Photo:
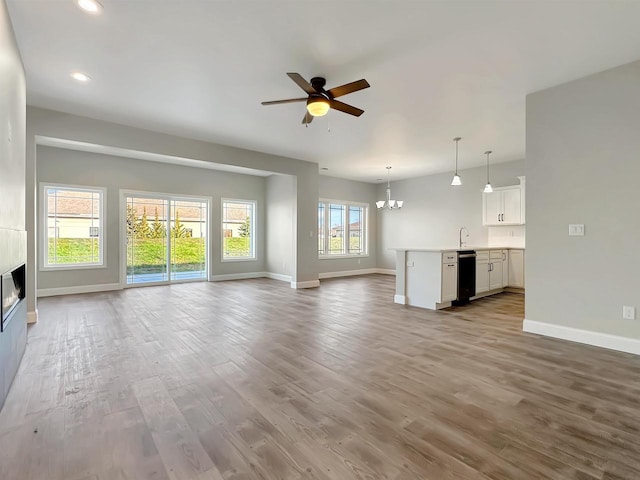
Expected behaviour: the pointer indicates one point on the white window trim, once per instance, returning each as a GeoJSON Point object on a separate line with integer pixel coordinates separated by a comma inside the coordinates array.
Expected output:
{"type": "Point", "coordinates": [252, 223]}
{"type": "Point", "coordinates": [43, 238]}
{"type": "Point", "coordinates": [327, 229]}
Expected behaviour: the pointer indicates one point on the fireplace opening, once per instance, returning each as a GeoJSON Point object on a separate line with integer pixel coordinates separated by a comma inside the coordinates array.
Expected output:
{"type": "Point", "coordinates": [12, 292]}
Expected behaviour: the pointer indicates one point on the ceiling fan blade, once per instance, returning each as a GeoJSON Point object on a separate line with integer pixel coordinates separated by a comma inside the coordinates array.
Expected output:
{"type": "Point", "coordinates": [308, 118]}
{"type": "Point", "coordinates": [343, 107]}
{"type": "Point", "coordinates": [348, 88]}
{"type": "Point", "coordinates": [302, 83]}
{"type": "Point", "coordinates": [290, 100]}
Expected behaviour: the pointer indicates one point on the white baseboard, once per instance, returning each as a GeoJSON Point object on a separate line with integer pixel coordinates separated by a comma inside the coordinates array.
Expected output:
{"type": "Point", "coordinates": [51, 292]}
{"type": "Point", "coordinates": [32, 317]}
{"type": "Point", "coordinates": [350, 273]}
{"type": "Point", "coordinates": [236, 276]}
{"type": "Point", "coordinates": [597, 339]}
{"type": "Point", "coordinates": [308, 284]}
{"type": "Point", "coordinates": [385, 271]}
{"type": "Point", "coordinates": [278, 276]}
{"type": "Point", "coordinates": [347, 273]}
{"type": "Point", "coordinates": [401, 299]}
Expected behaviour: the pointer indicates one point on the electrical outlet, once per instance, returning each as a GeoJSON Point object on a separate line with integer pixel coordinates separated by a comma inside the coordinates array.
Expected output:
{"type": "Point", "coordinates": [410, 263]}
{"type": "Point", "coordinates": [628, 312]}
{"type": "Point", "coordinates": [576, 230]}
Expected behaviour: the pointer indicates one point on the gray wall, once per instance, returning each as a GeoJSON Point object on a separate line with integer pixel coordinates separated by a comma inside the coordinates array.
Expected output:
{"type": "Point", "coordinates": [434, 211]}
{"type": "Point", "coordinates": [71, 167]}
{"type": "Point", "coordinates": [348, 190]}
{"type": "Point", "coordinates": [280, 200]}
{"type": "Point", "coordinates": [583, 166]}
{"type": "Point", "coordinates": [12, 192]}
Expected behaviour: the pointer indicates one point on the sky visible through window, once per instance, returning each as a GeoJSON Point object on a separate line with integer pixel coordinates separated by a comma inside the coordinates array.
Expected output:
{"type": "Point", "coordinates": [337, 212]}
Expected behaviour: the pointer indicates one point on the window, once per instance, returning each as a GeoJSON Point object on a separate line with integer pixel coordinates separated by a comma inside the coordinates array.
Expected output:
{"type": "Point", "coordinates": [73, 229]}
{"type": "Point", "coordinates": [342, 229]}
{"type": "Point", "coordinates": [238, 230]}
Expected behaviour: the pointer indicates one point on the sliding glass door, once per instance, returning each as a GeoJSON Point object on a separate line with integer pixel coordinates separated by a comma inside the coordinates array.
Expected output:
{"type": "Point", "coordinates": [188, 253]}
{"type": "Point", "coordinates": [166, 238]}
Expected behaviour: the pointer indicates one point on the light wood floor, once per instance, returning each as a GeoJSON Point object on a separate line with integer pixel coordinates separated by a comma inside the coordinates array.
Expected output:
{"type": "Point", "coordinates": [253, 380]}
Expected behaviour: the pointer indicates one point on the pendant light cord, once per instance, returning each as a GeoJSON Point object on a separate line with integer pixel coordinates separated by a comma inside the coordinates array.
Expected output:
{"type": "Point", "coordinates": [487, 153]}
{"type": "Point", "coordinates": [457, 140]}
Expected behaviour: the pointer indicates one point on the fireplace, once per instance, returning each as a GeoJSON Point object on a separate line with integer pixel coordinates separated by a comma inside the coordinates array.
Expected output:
{"type": "Point", "coordinates": [12, 291]}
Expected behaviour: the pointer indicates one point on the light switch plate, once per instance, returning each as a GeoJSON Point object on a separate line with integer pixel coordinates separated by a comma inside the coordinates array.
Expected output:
{"type": "Point", "coordinates": [576, 230]}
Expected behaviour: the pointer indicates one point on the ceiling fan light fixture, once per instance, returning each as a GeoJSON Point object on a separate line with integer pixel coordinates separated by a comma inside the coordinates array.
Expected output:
{"type": "Point", "coordinates": [318, 106]}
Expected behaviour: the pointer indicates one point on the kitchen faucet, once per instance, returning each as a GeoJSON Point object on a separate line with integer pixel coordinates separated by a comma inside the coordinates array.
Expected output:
{"type": "Point", "coordinates": [466, 235]}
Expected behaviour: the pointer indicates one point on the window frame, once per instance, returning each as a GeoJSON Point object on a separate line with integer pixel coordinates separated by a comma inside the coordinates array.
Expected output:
{"type": "Point", "coordinates": [347, 231]}
{"type": "Point", "coordinates": [43, 238]}
{"type": "Point", "coordinates": [252, 224]}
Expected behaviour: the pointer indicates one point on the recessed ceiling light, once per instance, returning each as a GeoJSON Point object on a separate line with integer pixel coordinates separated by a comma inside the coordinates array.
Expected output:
{"type": "Point", "coordinates": [81, 77]}
{"type": "Point", "coordinates": [90, 6]}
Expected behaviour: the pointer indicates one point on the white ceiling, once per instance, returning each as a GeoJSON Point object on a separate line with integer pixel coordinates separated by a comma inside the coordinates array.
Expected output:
{"type": "Point", "coordinates": [437, 70]}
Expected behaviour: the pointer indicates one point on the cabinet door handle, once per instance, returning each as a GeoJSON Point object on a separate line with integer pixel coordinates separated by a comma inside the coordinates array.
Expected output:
{"type": "Point", "coordinates": [498, 217]}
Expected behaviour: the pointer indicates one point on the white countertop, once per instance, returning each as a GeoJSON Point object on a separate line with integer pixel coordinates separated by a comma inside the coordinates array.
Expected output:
{"type": "Point", "coordinates": [455, 249]}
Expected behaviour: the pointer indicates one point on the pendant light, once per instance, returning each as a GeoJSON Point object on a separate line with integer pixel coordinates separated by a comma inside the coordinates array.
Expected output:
{"type": "Point", "coordinates": [388, 203]}
{"type": "Point", "coordinates": [456, 178]}
{"type": "Point", "coordinates": [488, 188]}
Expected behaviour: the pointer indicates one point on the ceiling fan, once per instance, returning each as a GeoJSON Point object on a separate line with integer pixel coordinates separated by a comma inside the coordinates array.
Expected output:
{"type": "Point", "coordinates": [319, 100]}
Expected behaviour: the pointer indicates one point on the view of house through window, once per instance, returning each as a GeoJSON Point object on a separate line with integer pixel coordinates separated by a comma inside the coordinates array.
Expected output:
{"type": "Point", "coordinates": [341, 229]}
{"type": "Point", "coordinates": [166, 238]}
{"type": "Point", "coordinates": [73, 227]}
{"type": "Point", "coordinates": [238, 227]}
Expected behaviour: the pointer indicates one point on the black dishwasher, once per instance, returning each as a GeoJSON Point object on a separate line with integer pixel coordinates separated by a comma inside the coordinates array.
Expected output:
{"type": "Point", "coordinates": [466, 276]}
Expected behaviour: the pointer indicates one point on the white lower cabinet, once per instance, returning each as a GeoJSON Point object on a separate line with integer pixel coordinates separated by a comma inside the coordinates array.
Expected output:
{"type": "Point", "coordinates": [449, 291]}
{"type": "Point", "coordinates": [516, 268]}
{"type": "Point", "coordinates": [430, 278]}
{"type": "Point", "coordinates": [491, 270]}
{"type": "Point", "coordinates": [482, 271]}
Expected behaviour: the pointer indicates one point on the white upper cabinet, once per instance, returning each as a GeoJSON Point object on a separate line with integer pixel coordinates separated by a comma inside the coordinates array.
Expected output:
{"type": "Point", "coordinates": [504, 206]}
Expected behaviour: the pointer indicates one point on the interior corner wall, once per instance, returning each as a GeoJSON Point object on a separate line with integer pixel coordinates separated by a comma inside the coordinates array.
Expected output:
{"type": "Point", "coordinates": [280, 200]}
{"type": "Point", "coordinates": [583, 167]}
{"type": "Point", "coordinates": [434, 210]}
{"type": "Point", "coordinates": [70, 167]}
{"type": "Point", "coordinates": [333, 188]}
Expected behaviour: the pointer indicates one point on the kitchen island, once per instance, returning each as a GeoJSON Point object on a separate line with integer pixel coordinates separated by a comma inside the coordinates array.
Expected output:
{"type": "Point", "coordinates": [428, 277]}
